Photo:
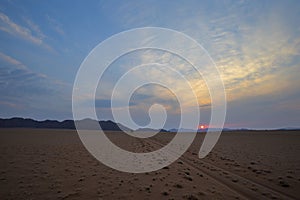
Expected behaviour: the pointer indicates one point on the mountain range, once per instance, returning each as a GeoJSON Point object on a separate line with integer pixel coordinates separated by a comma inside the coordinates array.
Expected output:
{"type": "Point", "coordinates": [18, 122]}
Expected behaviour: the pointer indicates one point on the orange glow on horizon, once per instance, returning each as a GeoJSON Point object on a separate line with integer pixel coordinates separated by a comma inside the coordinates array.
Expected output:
{"type": "Point", "coordinates": [201, 126]}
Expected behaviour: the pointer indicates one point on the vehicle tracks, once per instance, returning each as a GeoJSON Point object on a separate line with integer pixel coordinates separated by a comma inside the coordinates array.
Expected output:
{"type": "Point", "coordinates": [244, 187]}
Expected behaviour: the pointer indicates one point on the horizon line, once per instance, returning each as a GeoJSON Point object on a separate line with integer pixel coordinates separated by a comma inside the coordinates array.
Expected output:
{"type": "Point", "coordinates": [199, 129]}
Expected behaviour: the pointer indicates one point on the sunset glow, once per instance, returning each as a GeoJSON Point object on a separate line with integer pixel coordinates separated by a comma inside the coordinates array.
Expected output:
{"type": "Point", "coordinates": [202, 127]}
{"type": "Point", "coordinates": [256, 54]}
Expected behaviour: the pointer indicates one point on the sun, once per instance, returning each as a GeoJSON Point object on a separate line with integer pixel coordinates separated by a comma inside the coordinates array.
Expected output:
{"type": "Point", "coordinates": [201, 126]}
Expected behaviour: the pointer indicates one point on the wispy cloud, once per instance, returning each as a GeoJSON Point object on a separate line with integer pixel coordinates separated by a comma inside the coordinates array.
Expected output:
{"type": "Point", "coordinates": [9, 26]}
{"type": "Point", "coordinates": [55, 25]}
{"type": "Point", "coordinates": [34, 27]}
{"type": "Point", "coordinates": [256, 59]}
{"type": "Point", "coordinates": [11, 61]}
{"type": "Point", "coordinates": [17, 79]}
{"type": "Point", "coordinates": [26, 91]}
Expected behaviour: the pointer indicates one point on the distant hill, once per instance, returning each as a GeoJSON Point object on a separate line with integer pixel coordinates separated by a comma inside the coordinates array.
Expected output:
{"type": "Point", "coordinates": [184, 130]}
{"type": "Point", "coordinates": [54, 124]}
{"type": "Point", "coordinates": [151, 130]}
{"type": "Point", "coordinates": [233, 129]}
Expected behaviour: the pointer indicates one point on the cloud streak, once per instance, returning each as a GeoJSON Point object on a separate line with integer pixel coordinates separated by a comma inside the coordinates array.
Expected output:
{"type": "Point", "coordinates": [56, 26]}
{"type": "Point", "coordinates": [9, 26]}
{"type": "Point", "coordinates": [11, 61]}
{"type": "Point", "coordinates": [28, 92]}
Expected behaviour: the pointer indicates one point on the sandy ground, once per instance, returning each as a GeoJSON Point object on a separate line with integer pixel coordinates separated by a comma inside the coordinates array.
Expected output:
{"type": "Point", "coordinates": [53, 164]}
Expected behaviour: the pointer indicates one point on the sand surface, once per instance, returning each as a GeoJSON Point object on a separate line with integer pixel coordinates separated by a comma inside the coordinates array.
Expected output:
{"type": "Point", "coordinates": [53, 164]}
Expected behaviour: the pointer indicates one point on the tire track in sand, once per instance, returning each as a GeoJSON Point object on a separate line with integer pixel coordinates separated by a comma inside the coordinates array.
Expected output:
{"type": "Point", "coordinates": [242, 186]}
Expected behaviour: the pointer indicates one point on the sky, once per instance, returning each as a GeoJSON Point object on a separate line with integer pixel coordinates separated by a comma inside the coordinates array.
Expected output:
{"type": "Point", "coordinates": [254, 44]}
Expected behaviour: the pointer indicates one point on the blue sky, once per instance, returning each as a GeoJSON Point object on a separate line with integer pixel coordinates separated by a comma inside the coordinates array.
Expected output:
{"type": "Point", "coordinates": [255, 44]}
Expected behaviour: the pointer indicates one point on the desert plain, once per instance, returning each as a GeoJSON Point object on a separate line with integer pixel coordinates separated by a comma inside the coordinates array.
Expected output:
{"type": "Point", "coordinates": [54, 164]}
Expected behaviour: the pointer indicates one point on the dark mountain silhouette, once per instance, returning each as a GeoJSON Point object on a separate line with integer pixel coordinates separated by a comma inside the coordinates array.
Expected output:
{"type": "Point", "coordinates": [89, 124]}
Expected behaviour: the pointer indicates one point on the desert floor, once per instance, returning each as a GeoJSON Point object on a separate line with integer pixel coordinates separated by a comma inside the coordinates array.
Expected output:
{"type": "Point", "coordinates": [53, 164]}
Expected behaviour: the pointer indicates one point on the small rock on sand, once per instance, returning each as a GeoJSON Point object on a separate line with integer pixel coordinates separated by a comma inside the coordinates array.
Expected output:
{"type": "Point", "coordinates": [284, 184]}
